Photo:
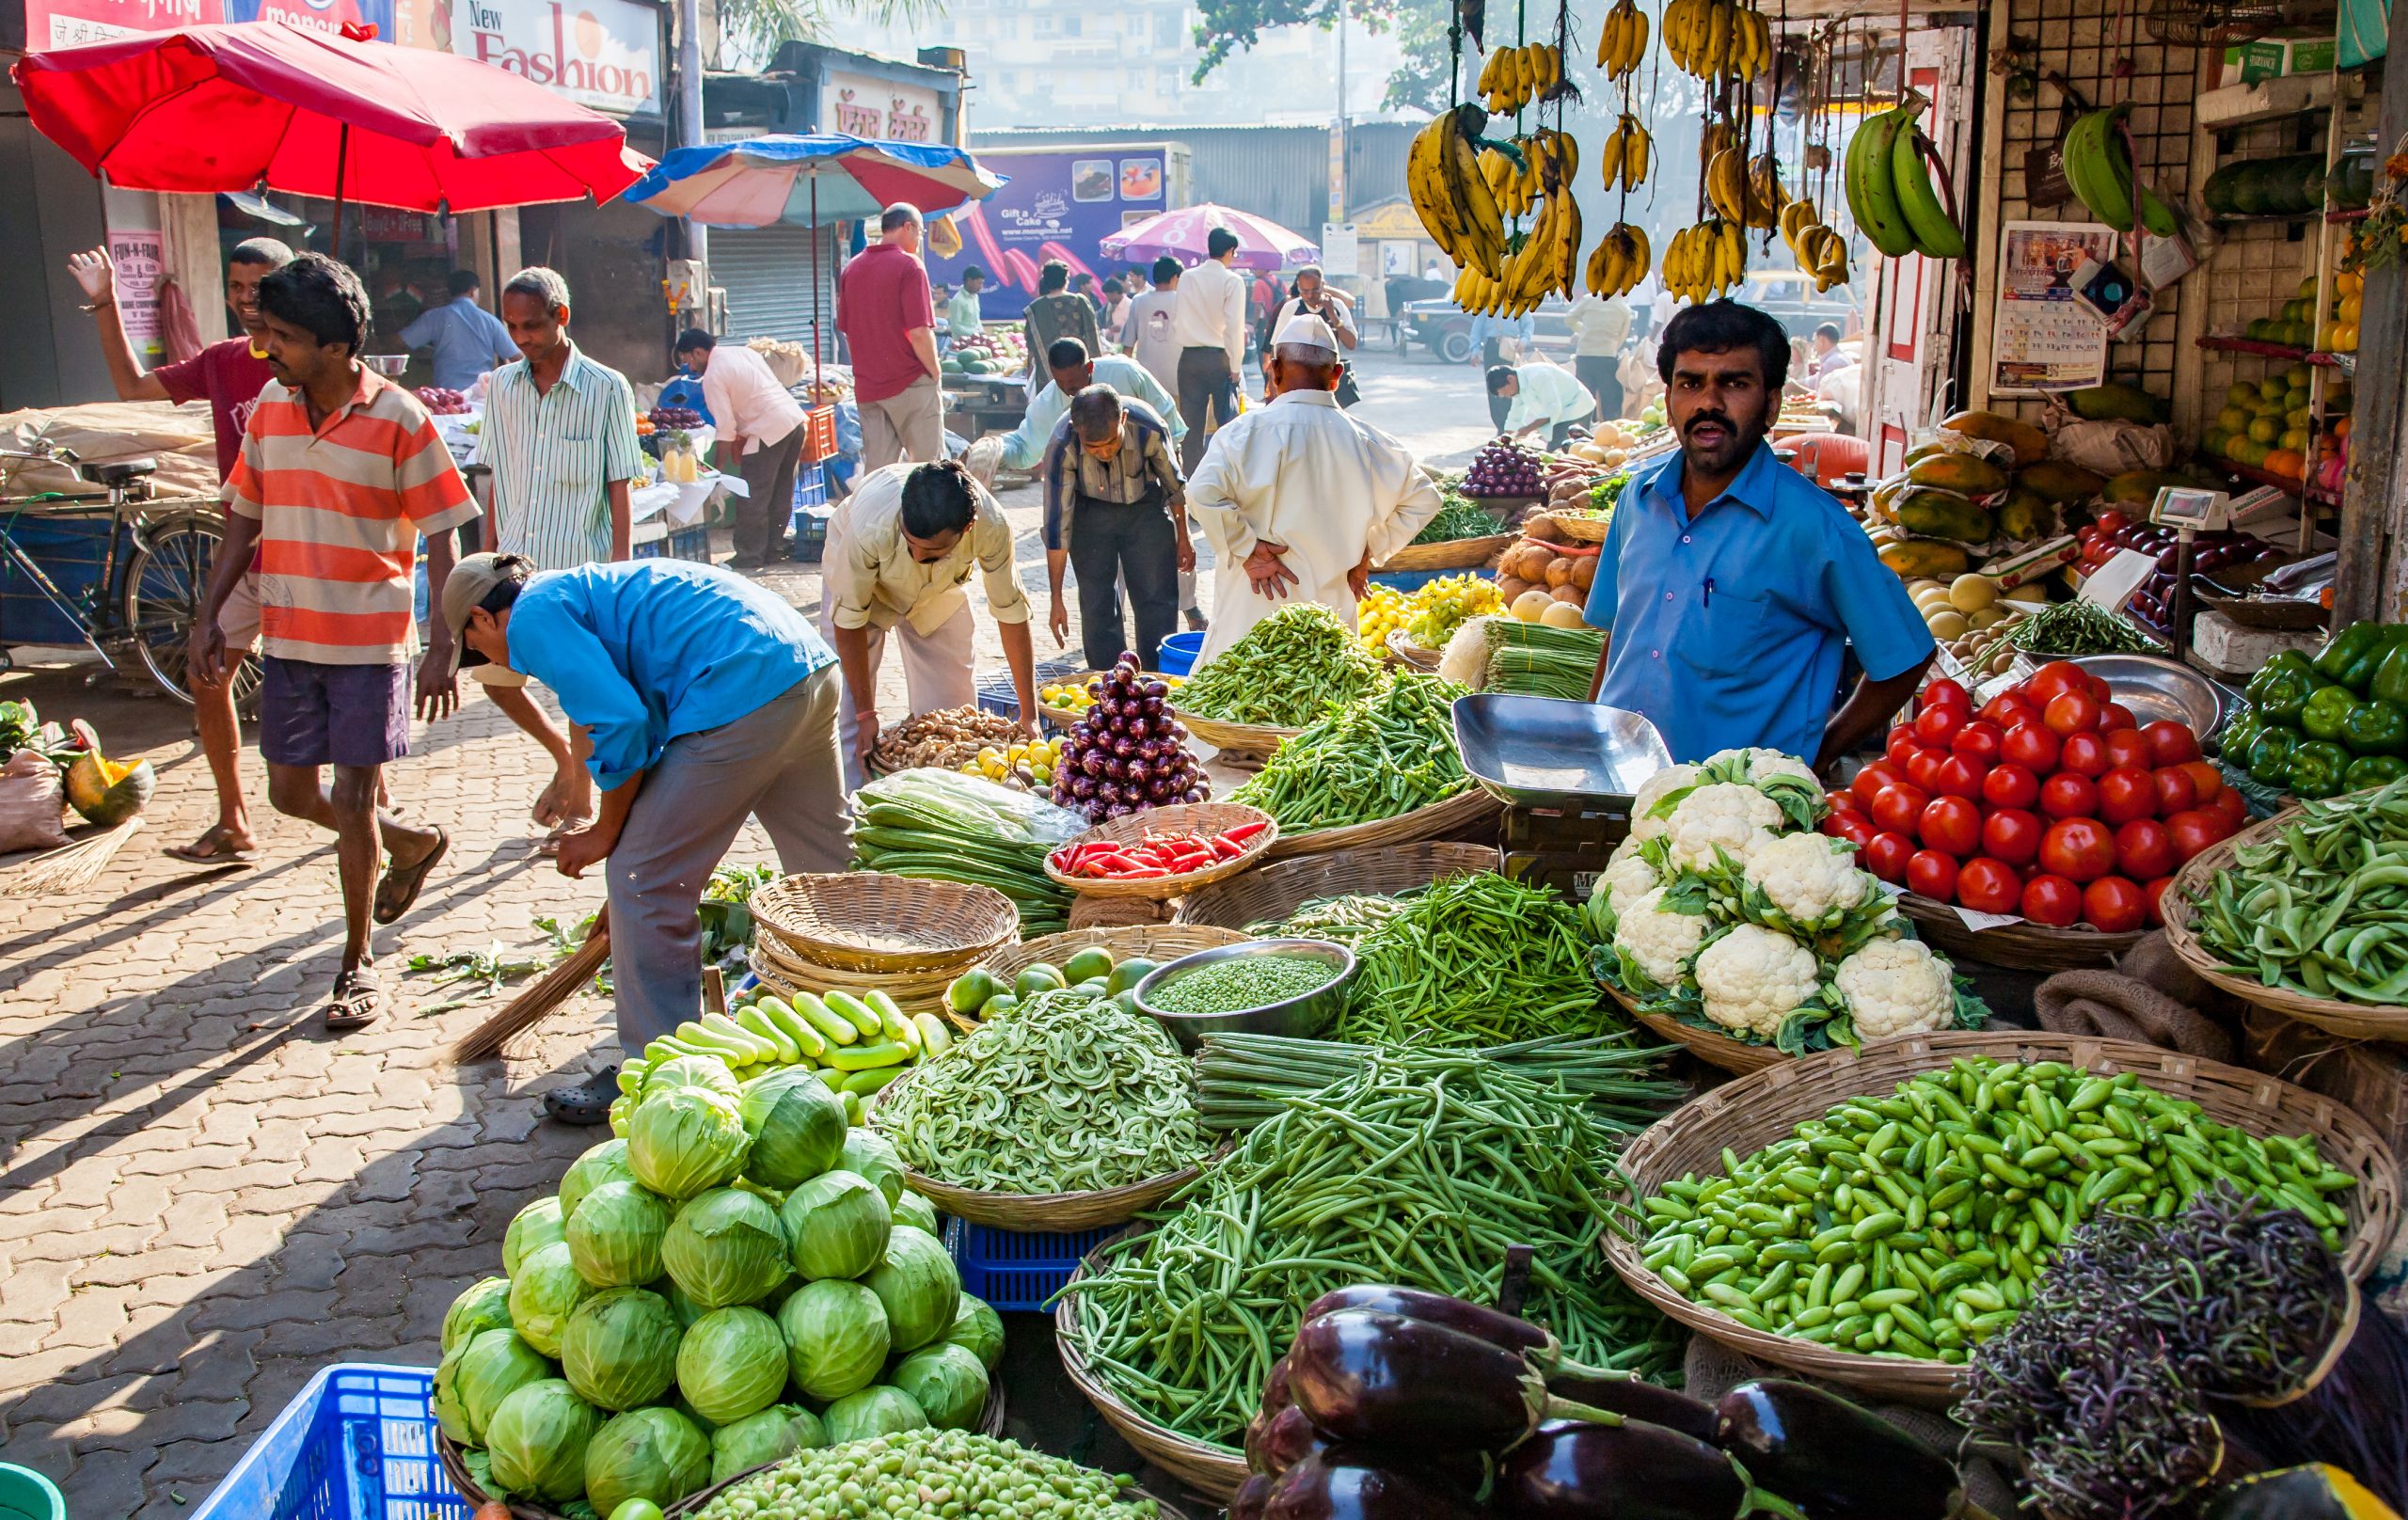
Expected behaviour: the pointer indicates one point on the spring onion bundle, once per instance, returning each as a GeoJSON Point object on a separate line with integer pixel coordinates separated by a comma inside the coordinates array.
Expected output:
{"type": "Point", "coordinates": [1475, 959]}
{"type": "Point", "coordinates": [1532, 660]}
{"type": "Point", "coordinates": [1286, 672]}
{"type": "Point", "coordinates": [1379, 758]}
{"type": "Point", "coordinates": [949, 826]}
{"type": "Point", "coordinates": [1241, 1080]}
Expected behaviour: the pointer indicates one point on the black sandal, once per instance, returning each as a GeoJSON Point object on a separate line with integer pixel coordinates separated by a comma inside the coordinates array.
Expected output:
{"type": "Point", "coordinates": [589, 1102]}
{"type": "Point", "coordinates": [399, 887]}
{"type": "Point", "coordinates": [359, 1001]}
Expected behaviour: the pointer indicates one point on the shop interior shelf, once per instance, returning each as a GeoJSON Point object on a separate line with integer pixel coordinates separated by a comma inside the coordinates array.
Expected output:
{"type": "Point", "coordinates": [2285, 483]}
{"type": "Point", "coordinates": [2227, 343]}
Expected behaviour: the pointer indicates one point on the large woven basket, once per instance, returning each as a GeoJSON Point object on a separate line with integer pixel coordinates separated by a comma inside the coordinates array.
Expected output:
{"type": "Point", "coordinates": [1275, 890]}
{"type": "Point", "coordinates": [1204, 817]}
{"type": "Point", "coordinates": [1150, 942]}
{"type": "Point", "coordinates": [852, 921]}
{"type": "Point", "coordinates": [1464, 809]}
{"type": "Point", "coordinates": [1754, 1111]}
{"type": "Point", "coordinates": [1454, 554]}
{"type": "Point", "coordinates": [1734, 1055]}
{"type": "Point", "coordinates": [1214, 1471]}
{"type": "Point", "coordinates": [1238, 743]}
{"type": "Point", "coordinates": [2354, 1021]}
{"type": "Point", "coordinates": [2025, 946]}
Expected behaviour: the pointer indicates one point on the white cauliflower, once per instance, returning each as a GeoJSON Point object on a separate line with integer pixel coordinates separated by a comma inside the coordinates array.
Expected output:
{"type": "Point", "coordinates": [1759, 765]}
{"type": "Point", "coordinates": [1752, 979]}
{"type": "Point", "coordinates": [1658, 939]}
{"type": "Point", "coordinates": [1627, 878]}
{"type": "Point", "coordinates": [1652, 791]}
{"type": "Point", "coordinates": [1723, 814]}
{"type": "Point", "coordinates": [1809, 879]}
{"type": "Point", "coordinates": [1896, 987]}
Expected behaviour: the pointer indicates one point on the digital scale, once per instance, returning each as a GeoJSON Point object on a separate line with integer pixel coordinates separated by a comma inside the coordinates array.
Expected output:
{"type": "Point", "coordinates": [1567, 773]}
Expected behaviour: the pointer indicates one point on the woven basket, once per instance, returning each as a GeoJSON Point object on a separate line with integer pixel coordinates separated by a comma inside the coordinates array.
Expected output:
{"type": "Point", "coordinates": [1214, 1471]}
{"type": "Point", "coordinates": [1060, 1214]}
{"type": "Point", "coordinates": [448, 1453]}
{"type": "Point", "coordinates": [1419, 655]}
{"type": "Point", "coordinates": [1238, 743]}
{"type": "Point", "coordinates": [2025, 946]}
{"type": "Point", "coordinates": [1754, 1111]}
{"type": "Point", "coordinates": [2354, 1021]}
{"type": "Point", "coordinates": [1152, 941]}
{"type": "Point", "coordinates": [912, 991]}
{"type": "Point", "coordinates": [990, 1423]}
{"type": "Point", "coordinates": [1204, 817]}
{"type": "Point", "coordinates": [1734, 1055]}
{"type": "Point", "coordinates": [832, 919]}
{"type": "Point", "coordinates": [1576, 530]}
{"type": "Point", "coordinates": [1275, 891]}
{"type": "Point", "coordinates": [1462, 811]}
{"type": "Point", "coordinates": [1454, 554]}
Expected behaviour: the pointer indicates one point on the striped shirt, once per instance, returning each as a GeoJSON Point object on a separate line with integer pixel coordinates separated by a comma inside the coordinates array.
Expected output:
{"type": "Point", "coordinates": [341, 508]}
{"type": "Point", "coordinates": [553, 458]}
{"type": "Point", "coordinates": [1143, 467]}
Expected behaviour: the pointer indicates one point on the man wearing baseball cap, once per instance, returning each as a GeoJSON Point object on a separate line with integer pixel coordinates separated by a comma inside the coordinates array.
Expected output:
{"type": "Point", "coordinates": [707, 699]}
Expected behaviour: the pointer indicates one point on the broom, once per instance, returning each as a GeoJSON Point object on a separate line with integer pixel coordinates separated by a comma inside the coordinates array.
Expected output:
{"type": "Point", "coordinates": [70, 867]}
{"type": "Point", "coordinates": [556, 986]}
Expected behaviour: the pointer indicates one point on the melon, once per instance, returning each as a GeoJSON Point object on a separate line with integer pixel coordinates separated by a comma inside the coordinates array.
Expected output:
{"type": "Point", "coordinates": [102, 790]}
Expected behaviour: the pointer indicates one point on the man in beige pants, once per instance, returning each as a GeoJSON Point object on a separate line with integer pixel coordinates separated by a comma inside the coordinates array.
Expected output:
{"type": "Point", "coordinates": [888, 316]}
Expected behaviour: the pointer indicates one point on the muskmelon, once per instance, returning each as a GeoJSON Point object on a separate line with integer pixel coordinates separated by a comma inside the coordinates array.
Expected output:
{"type": "Point", "coordinates": [101, 789]}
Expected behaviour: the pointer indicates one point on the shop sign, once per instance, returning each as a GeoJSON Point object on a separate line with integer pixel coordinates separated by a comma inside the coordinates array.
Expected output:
{"type": "Point", "coordinates": [328, 16]}
{"type": "Point", "coordinates": [137, 262]}
{"type": "Point", "coordinates": [863, 106]}
{"type": "Point", "coordinates": [58, 23]}
{"type": "Point", "coordinates": [605, 54]}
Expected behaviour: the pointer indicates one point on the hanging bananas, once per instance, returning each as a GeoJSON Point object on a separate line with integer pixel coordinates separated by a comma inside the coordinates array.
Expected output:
{"type": "Point", "coordinates": [1890, 195]}
{"type": "Point", "coordinates": [1712, 39]}
{"type": "Point", "coordinates": [1629, 150]}
{"type": "Point", "coordinates": [1513, 77]}
{"type": "Point", "coordinates": [1623, 40]}
{"type": "Point", "coordinates": [1545, 260]}
{"type": "Point", "coordinates": [1751, 197]}
{"type": "Point", "coordinates": [1619, 263]}
{"type": "Point", "coordinates": [1450, 192]}
{"type": "Point", "coordinates": [1706, 260]}
{"type": "Point", "coordinates": [1819, 251]}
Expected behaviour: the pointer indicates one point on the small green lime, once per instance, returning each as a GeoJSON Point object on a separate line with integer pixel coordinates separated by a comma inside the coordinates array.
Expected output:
{"type": "Point", "coordinates": [971, 990]}
{"type": "Point", "coordinates": [1127, 974]}
{"type": "Point", "coordinates": [636, 1509]}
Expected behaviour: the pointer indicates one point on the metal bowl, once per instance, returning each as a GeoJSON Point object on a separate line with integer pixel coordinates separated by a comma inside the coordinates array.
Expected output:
{"type": "Point", "coordinates": [389, 365]}
{"type": "Point", "coordinates": [1300, 1018]}
{"type": "Point", "coordinates": [2156, 688]}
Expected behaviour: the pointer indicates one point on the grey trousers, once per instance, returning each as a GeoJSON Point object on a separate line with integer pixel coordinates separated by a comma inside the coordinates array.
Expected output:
{"type": "Point", "coordinates": [906, 426]}
{"type": "Point", "coordinates": [777, 762]}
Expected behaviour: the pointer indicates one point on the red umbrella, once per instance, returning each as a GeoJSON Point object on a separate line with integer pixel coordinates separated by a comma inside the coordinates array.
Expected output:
{"type": "Point", "coordinates": [211, 108]}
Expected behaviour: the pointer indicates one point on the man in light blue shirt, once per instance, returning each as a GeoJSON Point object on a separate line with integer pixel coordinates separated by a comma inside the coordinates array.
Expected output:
{"type": "Point", "coordinates": [707, 699]}
{"type": "Point", "coordinates": [467, 340]}
{"type": "Point", "coordinates": [1729, 584]}
{"type": "Point", "coordinates": [1072, 371]}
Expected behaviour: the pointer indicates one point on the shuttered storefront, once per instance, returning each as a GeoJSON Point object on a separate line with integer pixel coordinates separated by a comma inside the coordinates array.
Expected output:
{"type": "Point", "coordinates": [767, 274]}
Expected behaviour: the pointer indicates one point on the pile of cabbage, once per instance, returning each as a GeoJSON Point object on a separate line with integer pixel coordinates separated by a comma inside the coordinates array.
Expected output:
{"type": "Point", "coordinates": [1725, 909]}
{"type": "Point", "coordinates": [742, 1277]}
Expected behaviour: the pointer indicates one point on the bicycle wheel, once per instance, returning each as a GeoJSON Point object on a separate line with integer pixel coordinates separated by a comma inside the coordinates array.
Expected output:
{"type": "Point", "coordinates": [166, 583]}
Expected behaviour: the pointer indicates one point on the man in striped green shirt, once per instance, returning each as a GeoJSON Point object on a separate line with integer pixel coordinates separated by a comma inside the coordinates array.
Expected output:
{"type": "Point", "coordinates": [560, 435]}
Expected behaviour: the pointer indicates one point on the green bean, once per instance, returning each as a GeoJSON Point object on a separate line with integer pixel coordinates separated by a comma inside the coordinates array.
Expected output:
{"type": "Point", "coordinates": [1285, 671]}
{"type": "Point", "coordinates": [1387, 753]}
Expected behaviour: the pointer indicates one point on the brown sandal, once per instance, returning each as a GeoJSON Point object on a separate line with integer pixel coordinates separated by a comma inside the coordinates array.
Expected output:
{"type": "Point", "coordinates": [359, 1001]}
{"type": "Point", "coordinates": [399, 887]}
{"type": "Point", "coordinates": [212, 851]}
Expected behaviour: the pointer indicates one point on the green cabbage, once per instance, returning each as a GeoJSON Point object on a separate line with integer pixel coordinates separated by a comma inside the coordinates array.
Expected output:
{"type": "Point", "coordinates": [477, 1375]}
{"type": "Point", "coordinates": [913, 1210]}
{"type": "Point", "coordinates": [481, 1471]}
{"type": "Point", "coordinates": [731, 1364]}
{"type": "Point", "coordinates": [836, 1225]}
{"type": "Point", "coordinates": [620, 1348]}
{"type": "Point", "coordinates": [615, 1236]}
{"type": "Point", "coordinates": [536, 1440]}
{"type": "Point", "coordinates": [796, 1125]}
{"type": "Point", "coordinates": [918, 1285]}
{"type": "Point", "coordinates": [605, 1163]}
{"type": "Point", "coordinates": [483, 1305]}
{"type": "Point", "coordinates": [687, 1311]}
{"type": "Point", "coordinates": [726, 1247]}
{"type": "Point", "coordinates": [654, 1453]}
{"type": "Point", "coordinates": [760, 1439]}
{"type": "Point", "coordinates": [543, 1291]}
{"type": "Point", "coordinates": [978, 1330]}
{"type": "Point", "coordinates": [682, 1141]}
{"type": "Point", "coordinates": [874, 1411]}
{"type": "Point", "coordinates": [946, 1382]}
{"type": "Point", "coordinates": [691, 1071]}
{"type": "Point", "coordinates": [836, 1337]}
{"type": "Point", "coordinates": [531, 1229]}
{"type": "Point", "coordinates": [869, 1153]}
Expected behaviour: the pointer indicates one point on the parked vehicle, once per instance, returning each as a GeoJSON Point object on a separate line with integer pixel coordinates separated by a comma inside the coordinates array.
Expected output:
{"type": "Point", "coordinates": [1445, 329]}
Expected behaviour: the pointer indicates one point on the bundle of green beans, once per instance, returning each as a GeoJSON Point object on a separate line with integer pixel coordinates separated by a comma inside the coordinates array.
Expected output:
{"type": "Point", "coordinates": [1458, 516]}
{"type": "Point", "coordinates": [1531, 659]}
{"type": "Point", "coordinates": [924, 1475]}
{"type": "Point", "coordinates": [941, 824]}
{"type": "Point", "coordinates": [1379, 757]}
{"type": "Point", "coordinates": [1917, 1225]}
{"type": "Point", "coordinates": [1286, 672]}
{"type": "Point", "coordinates": [1421, 1169]}
{"type": "Point", "coordinates": [1241, 1079]}
{"type": "Point", "coordinates": [2064, 629]}
{"type": "Point", "coordinates": [1475, 959]}
{"type": "Point", "coordinates": [1343, 919]}
{"type": "Point", "coordinates": [1064, 1094]}
{"type": "Point", "coordinates": [2320, 907]}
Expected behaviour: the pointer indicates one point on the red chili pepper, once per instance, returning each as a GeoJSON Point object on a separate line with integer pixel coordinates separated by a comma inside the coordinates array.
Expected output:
{"type": "Point", "coordinates": [1112, 864]}
{"type": "Point", "coordinates": [1141, 874]}
{"type": "Point", "coordinates": [1240, 833]}
{"type": "Point", "coordinates": [1223, 849]}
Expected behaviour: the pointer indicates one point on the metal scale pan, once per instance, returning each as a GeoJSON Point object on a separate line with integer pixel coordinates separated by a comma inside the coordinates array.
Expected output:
{"type": "Point", "coordinates": [1547, 755]}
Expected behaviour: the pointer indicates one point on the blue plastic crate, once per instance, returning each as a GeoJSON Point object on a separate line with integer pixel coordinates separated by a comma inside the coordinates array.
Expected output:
{"type": "Point", "coordinates": [811, 486]}
{"type": "Point", "coordinates": [1013, 1270]}
{"type": "Point", "coordinates": [995, 694]}
{"type": "Point", "coordinates": [357, 1444]}
{"type": "Point", "coordinates": [692, 543]}
{"type": "Point", "coordinates": [1409, 581]}
{"type": "Point", "coordinates": [810, 540]}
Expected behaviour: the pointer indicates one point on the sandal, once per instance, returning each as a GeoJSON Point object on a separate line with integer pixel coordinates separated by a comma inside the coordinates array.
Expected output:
{"type": "Point", "coordinates": [400, 884]}
{"type": "Point", "coordinates": [212, 849]}
{"type": "Point", "coordinates": [359, 1001]}
{"type": "Point", "coordinates": [589, 1102]}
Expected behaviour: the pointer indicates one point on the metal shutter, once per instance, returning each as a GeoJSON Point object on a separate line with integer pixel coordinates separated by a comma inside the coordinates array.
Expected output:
{"type": "Point", "coordinates": [767, 274]}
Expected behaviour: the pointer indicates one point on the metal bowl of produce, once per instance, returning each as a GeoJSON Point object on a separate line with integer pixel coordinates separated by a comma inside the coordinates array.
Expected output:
{"type": "Point", "coordinates": [1253, 972]}
{"type": "Point", "coordinates": [2155, 688]}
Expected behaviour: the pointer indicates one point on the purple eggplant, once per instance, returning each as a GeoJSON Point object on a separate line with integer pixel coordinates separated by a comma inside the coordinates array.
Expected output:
{"type": "Point", "coordinates": [1383, 1378]}
{"type": "Point", "coordinates": [1092, 761]}
{"type": "Point", "coordinates": [1138, 771]}
{"type": "Point", "coordinates": [1363, 1485]}
{"type": "Point", "coordinates": [1831, 1459]}
{"type": "Point", "coordinates": [1083, 788]}
{"type": "Point", "coordinates": [1284, 1440]}
{"type": "Point", "coordinates": [1195, 794]}
{"type": "Point", "coordinates": [1151, 707]}
{"type": "Point", "coordinates": [1157, 690]}
{"type": "Point", "coordinates": [1124, 747]}
{"type": "Point", "coordinates": [1160, 790]}
{"type": "Point", "coordinates": [1251, 1495]}
{"type": "Point", "coordinates": [1634, 1398]}
{"type": "Point", "coordinates": [1629, 1471]}
{"type": "Point", "coordinates": [1119, 810]}
{"type": "Point", "coordinates": [1501, 1330]}
{"type": "Point", "coordinates": [1137, 728]}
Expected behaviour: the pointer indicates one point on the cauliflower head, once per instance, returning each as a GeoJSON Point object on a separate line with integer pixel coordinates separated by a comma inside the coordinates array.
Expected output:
{"type": "Point", "coordinates": [1652, 791]}
{"type": "Point", "coordinates": [1726, 815]}
{"type": "Point", "coordinates": [1752, 979]}
{"type": "Point", "coordinates": [1628, 876]}
{"type": "Point", "coordinates": [1658, 940]}
{"type": "Point", "coordinates": [1812, 880]}
{"type": "Point", "coordinates": [1760, 764]}
{"type": "Point", "coordinates": [1896, 987]}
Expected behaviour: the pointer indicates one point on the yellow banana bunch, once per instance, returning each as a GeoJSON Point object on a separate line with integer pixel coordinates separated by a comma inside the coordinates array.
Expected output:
{"type": "Point", "coordinates": [1450, 192]}
{"type": "Point", "coordinates": [1620, 262]}
{"type": "Point", "coordinates": [1737, 194]}
{"type": "Point", "coordinates": [1554, 151]}
{"type": "Point", "coordinates": [1515, 76]}
{"type": "Point", "coordinates": [1509, 181]}
{"type": "Point", "coordinates": [1706, 260]}
{"type": "Point", "coordinates": [1629, 150]}
{"type": "Point", "coordinates": [1622, 41]}
{"type": "Point", "coordinates": [1765, 195]}
{"type": "Point", "coordinates": [1712, 39]}
{"type": "Point", "coordinates": [1819, 251]}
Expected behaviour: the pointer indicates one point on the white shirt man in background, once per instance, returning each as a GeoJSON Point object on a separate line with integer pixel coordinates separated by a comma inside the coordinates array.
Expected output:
{"type": "Point", "coordinates": [1209, 327]}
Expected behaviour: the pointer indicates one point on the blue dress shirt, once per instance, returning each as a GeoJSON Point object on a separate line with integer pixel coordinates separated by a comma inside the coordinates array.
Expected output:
{"type": "Point", "coordinates": [468, 340]}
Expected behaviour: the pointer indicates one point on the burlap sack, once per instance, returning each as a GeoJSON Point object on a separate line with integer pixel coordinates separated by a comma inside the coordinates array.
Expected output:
{"type": "Point", "coordinates": [2150, 997]}
{"type": "Point", "coordinates": [32, 803]}
{"type": "Point", "coordinates": [181, 439]}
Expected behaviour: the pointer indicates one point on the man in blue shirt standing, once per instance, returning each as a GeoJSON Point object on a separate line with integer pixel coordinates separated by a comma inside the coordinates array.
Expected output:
{"type": "Point", "coordinates": [707, 699]}
{"type": "Point", "coordinates": [467, 340]}
{"type": "Point", "coordinates": [1729, 584]}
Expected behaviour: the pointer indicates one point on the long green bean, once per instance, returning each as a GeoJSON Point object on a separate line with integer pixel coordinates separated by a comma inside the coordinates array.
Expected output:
{"type": "Point", "coordinates": [1241, 1079]}
{"type": "Point", "coordinates": [1379, 758]}
{"type": "Point", "coordinates": [1285, 671]}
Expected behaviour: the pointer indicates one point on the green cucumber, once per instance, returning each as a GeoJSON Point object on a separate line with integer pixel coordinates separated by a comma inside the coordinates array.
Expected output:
{"type": "Point", "coordinates": [862, 1058]}
{"type": "Point", "coordinates": [845, 1005]}
{"type": "Point", "coordinates": [753, 1019]}
{"type": "Point", "coordinates": [935, 1038]}
{"type": "Point", "coordinates": [868, 1084]}
{"type": "Point", "coordinates": [806, 1039]}
{"type": "Point", "coordinates": [891, 1021]}
{"type": "Point", "coordinates": [834, 1030]}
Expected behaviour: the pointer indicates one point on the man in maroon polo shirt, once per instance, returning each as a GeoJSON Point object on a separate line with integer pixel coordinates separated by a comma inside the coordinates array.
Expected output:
{"type": "Point", "coordinates": [229, 377]}
{"type": "Point", "coordinates": [884, 311]}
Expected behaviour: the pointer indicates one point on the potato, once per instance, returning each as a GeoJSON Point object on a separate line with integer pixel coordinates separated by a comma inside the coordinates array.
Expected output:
{"type": "Point", "coordinates": [1947, 624]}
{"type": "Point", "coordinates": [1970, 592]}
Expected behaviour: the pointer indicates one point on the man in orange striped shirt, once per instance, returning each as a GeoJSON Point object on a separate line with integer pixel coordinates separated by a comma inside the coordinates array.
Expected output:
{"type": "Point", "coordinates": [340, 474]}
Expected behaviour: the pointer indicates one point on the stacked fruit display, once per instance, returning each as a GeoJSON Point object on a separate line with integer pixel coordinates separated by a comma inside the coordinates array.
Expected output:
{"type": "Point", "coordinates": [1504, 468]}
{"type": "Point", "coordinates": [2113, 531]}
{"type": "Point", "coordinates": [2266, 424]}
{"type": "Point", "coordinates": [995, 351]}
{"type": "Point", "coordinates": [2051, 804]}
{"type": "Point", "coordinates": [675, 419]}
{"type": "Point", "coordinates": [1970, 616]}
{"type": "Point", "coordinates": [1128, 752]}
{"type": "Point", "coordinates": [1950, 505]}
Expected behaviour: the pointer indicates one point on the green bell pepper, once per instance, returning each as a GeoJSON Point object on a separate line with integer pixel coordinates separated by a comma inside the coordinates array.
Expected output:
{"type": "Point", "coordinates": [2350, 657]}
{"type": "Point", "coordinates": [2325, 713]}
{"type": "Point", "coordinates": [2282, 687]}
{"type": "Point", "coordinates": [2373, 770]}
{"type": "Point", "coordinates": [2390, 681]}
{"type": "Point", "coordinates": [2317, 768]}
{"type": "Point", "coordinates": [2375, 727]}
{"type": "Point", "coordinates": [2232, 741]}
{"type": "Point", "coordinates": [2270, 755]}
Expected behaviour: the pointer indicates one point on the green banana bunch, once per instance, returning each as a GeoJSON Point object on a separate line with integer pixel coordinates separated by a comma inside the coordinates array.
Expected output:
{"type": "Point", "coordinates": [2100, 174]}
{"type": "Point", "coordinates": [1936, 232]}
{"type": "Point", "coordinates": [1889, 190]}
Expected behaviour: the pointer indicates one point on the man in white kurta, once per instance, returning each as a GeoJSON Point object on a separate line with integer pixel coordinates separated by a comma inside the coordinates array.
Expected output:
{"type": "Point", "coordinates": [1299, 499]}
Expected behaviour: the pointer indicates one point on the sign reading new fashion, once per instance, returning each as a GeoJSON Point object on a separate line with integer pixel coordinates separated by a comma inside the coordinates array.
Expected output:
{"type": "Point", "coordinates": [605, 54]}
{"type": "Point", "coordinates": [864, 106]}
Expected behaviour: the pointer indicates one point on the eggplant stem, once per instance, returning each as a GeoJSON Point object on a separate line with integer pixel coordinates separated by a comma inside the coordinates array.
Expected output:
{"type": "Point", "coordinates": [1566, 1367]}
{"type": "Point", "coordinates": [1560, 1408]}
{"type": "Point", "coordinates": [1761, 1502]}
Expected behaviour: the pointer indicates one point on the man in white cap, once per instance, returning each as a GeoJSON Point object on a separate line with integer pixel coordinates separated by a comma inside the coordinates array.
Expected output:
{"type": "Point", "coordinates": [1299, 499]}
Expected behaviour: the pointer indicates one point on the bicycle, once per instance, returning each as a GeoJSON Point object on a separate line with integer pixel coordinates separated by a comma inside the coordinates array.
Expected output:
{"type": "Point", "coordinates": [153, 575]}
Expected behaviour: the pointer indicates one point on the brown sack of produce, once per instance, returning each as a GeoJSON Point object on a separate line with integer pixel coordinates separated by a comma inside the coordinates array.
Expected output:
{"type": "Point", "coordinates": [2029, 444]}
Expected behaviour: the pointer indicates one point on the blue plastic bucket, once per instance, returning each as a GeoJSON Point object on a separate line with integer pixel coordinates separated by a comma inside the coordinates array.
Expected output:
{"type": "Point", "coordinates": [1179, 653]}
{"type": "Point", "coordinates": [27, 1494]}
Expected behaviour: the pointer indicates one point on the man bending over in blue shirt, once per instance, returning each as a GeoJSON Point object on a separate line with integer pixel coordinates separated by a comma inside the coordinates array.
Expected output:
{"type": "Point", "coordinates": [708, 699]}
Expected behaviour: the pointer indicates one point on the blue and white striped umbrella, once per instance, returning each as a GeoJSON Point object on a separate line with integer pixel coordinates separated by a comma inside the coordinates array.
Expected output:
{"type": "Point", "coordinates": [758, 181]}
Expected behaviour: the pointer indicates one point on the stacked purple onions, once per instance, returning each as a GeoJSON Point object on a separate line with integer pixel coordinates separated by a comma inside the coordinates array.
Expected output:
{"type": "Point", "coordinates": [1128, 752]}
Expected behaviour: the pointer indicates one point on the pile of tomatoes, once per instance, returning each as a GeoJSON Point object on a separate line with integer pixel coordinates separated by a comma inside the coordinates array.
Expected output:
{"type": "Point", "coordinates": [2052, 802]}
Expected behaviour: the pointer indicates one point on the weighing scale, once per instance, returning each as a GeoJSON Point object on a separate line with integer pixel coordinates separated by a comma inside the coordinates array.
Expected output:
{"type": "Point", "coordinates": [1567, 773]}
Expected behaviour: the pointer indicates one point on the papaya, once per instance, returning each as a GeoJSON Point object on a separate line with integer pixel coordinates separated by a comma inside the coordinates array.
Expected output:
{"type": "Point", "coordinates": [2139, 487]}
{"type": "Point", "coordinates": [102, 790]}
{"type": "Point", "coordinates": [1965, 474]}
{"type": "Point", "coordinates": [2025, 515]}
{"type": "Point", "coordinates": [2317, 1492]}
{"type": "Point", "coordinates": [2060, 482]}
{"type": "Point", "coordinates": [2029, 444]}
{"type": "Point", "coordinates": [1945, 514]}
{"type": "Point", "coordinates": [1922, 451]}
{"type": "Point", "coordinates": [1927, 557]}
{"type": "Point", "coordinates": [2116, 401]}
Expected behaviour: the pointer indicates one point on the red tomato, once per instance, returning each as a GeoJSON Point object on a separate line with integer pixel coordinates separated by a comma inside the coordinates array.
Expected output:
{"type": "Point", "coordinates": [1842, 798]}
{"type": "Point", "coordinates": [2206, 780]}
{"type": "Point", "coordinates": [1898, 808]}
{"type": "Point", "coordinates": [1933, 874]}
{"type": "Point", "coordinates": [2126, 794]}
{"type": "Point", "coordinates": [2113, 903]}
{"type": "Point", "coordinates": [2127, 749]}
{"type": "Point", "coordinates": [1848, 824]}
{"type": "Point", "coordinates": [2079, 849]}
{"type": "Point", "coordinates": [2175, 790]}
{"type": "Point", "coordinates": [2084, 753]}
{"type": "Point", "coordinates": [2009, 709]}
{"type": "Point", "coordinates": [2144, 849]}
{"type": "Point", "coordinates": [2052, 900]}
{"type": "Point", "coordinates": [1961, 775]}
{"type": "Point", "coordinates": [2055, 680]}
{"type": "Point", "coordinates": [1886, 854]}
{"type": "Point", "coordinates": [2153, 898]}
{"type": "Point", "coordinates": [2071, 712]}
{"type": "Point", "coordinates": [2010, 786]}
{"type": "Point", "coordinates": [1947, 693]}
{"type": "Point", "coordinates": [2013, 835]}
{"type": "Point", "coordinates": [1937, 725]}
{"type": "Point", "coordinates": [1872, 778]}
{"type": "Point", "coordinates": [2170, 743]}
{"type": "Point", "coordinates": [2032, 747]}
{"type": "Point", "coordinates": [2228, 805]}
{"type": "Point", "coordinates": [1923, 767]}
{"type": "Point", "coordinates": [2113, 717]}
{"type": "Point", "coordinates": [1989, 886]}
{"type": "Point", "coordinates": [1953, 824]}
{"type": "Point", "coordinates": [2111, 522]}
{"type": "Point", "coordinates": [2195, 830]}
{"type": "Point", "coordinates": [2065, 794]}
{"type": "Point", "coordinates": [1978, 741]}
{"type": "Point", "coordinates": [1901, 744]}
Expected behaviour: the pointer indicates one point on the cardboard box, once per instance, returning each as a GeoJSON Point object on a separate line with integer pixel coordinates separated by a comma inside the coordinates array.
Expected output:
{"type": "Point", "coordinates": [2274, 57]}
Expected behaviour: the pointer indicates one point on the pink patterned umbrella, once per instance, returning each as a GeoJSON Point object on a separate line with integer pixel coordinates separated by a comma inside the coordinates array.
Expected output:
{"type": "Point", "coordinates": [1262, 244]}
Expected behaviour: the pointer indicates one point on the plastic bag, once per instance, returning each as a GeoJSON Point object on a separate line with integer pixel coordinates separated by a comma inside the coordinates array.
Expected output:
{"type": "Point", "coordinates": [1020, 817]}
{"type": "Point", "coordinates": [32, 803]}
{"type": "Point", "coordinates": [2113, 448]}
